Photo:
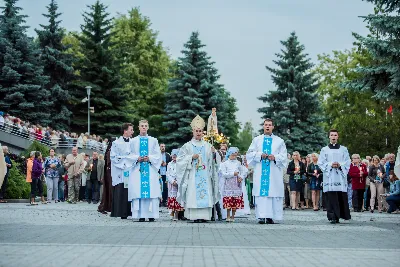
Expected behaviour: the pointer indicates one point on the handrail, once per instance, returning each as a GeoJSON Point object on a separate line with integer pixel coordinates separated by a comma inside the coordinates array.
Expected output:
{"type": "Point", "coordinates": [53, 142]}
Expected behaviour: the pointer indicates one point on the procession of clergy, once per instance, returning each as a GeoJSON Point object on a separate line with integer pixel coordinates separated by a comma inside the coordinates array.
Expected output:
{"type": "Point", "coordinates": [198, 178]}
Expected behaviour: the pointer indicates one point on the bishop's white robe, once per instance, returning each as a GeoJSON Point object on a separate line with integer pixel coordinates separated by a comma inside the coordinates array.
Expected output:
{"type": "Point", "coordinates": [268, 182]}
{"type": "Point", "coordinates": [144, 187]}
{"type": "Point", "coordinates": [197, 183]}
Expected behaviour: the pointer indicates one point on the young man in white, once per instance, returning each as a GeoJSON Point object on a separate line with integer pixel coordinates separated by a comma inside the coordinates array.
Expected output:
{"type": "Point", "coordinates": [267, 154]}
{"type": "Point", "coordinates": [144, 184]}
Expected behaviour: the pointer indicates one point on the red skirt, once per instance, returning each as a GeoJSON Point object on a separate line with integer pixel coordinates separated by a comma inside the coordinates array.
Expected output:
{"type": "Point", "coordinates": [233, 202]}
{"type": "Point", "coordinates": [173, 204]}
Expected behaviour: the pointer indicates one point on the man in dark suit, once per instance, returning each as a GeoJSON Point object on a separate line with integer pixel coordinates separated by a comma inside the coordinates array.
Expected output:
{"type": "Point", "coordinates": [95, 169]}
{"type": "Point", "coordinates": [166, 158]}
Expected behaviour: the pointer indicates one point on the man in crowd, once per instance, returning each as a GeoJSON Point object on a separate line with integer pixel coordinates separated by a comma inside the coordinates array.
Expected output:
{"type": "Point", "coordinates": [334, 161]}
{"type": "Point", "coordinates": [122, 163]}
{"type": "Point", "coordinates": [166, 158]}
{"type": "Point", "coordinates": [268, 155]}
{"type": "Point", "coordinates": [197, 175]}
{"type": "Point", "coordinates": [95, 174]}
{"type": "Point", "coordinates": [144, 185]}
{"type": "Point", "coordinates": [74, 165]}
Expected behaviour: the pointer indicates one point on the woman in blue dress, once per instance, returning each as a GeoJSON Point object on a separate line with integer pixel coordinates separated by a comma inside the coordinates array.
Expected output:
{"type": "Point", "coordinates": [314, 172]}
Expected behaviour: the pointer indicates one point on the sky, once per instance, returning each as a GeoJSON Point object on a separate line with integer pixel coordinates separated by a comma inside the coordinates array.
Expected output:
{"type": "Point", "coordinates": [242, 37]}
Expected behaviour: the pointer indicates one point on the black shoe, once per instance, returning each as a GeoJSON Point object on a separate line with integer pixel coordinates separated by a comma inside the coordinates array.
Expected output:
{"type": "Point", "coordinates": [95, 202]}
{"type": "Point", "coordinates": [142, 220]}
{"type": "Point", "coordinates": [124, 218]}
{"type": "Point", "coordinates": [270, 221]}
{"type": "Point", "coordinates": [212, 219]}
{"type": "Point", "coordinates": [183, 218]}
{"type": "Point", "coordinates": [262, 221]}
{"type": "Point", "coordinates": [89, 202]}
{"type": "Point", "coordinates": [151, 219]}
{"type": "Point", "coordinates": [332, 221]}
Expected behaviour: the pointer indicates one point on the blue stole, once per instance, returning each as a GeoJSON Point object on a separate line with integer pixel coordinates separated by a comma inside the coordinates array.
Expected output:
{"type": "Point", "coordinates": [201, 175]}
{"type": "Point", "coordinates": [265, 167]}
{"type": "Point", "coordinates": [144, 169]}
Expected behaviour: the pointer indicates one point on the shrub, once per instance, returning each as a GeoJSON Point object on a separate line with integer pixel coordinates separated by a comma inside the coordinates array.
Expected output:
{"type": "Point", "coordinates": [36, 146]}
{"type": "Point", "coordinates": [17, 187]}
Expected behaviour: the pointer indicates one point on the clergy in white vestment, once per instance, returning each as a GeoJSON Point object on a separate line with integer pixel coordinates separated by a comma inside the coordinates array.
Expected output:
{"type": "Point", "coordinates": [173, 205]}
{"type": "Point", "coordinates": [334, 161]}
{"type": "Point", "coordinates": [3, 166]}
{"type": "Point", "coordinates": [122, 163]}
{"type": "Point", "coordinates": [232, 174]}
{"type": "Point", "coordinates": [144, 184]}
{"type": "Point", "coordinates": [197, 175]}
{"type": "Point", "coordinates": [397, 163]}
{"type": "Point", "coordinates": [267, 154]}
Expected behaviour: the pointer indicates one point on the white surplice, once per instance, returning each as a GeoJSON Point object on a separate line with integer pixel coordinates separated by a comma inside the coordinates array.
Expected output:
{"type": "Point", "coordinates": [397, 163]}
{"type": "Point", "coordinates": [185, 171]}
{"type": "Point", "coordinates": [334, 179]}
{"type": "Point", "coordinates": [122, 160]}
{"type": "Point", "coordinates": [145, 207]}
{"type": "Point", "coordinates": [270, 206]}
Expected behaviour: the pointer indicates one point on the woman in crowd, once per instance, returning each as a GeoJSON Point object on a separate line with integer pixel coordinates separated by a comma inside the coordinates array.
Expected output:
{"type": "Point", "coordinates": [357, 173]}
{"type": "Point", "coordinates": [376, 174]}
{"type": "Point", "coordinates": [51, 167]}
{"type": "Point", "coordinates": [36, 173]}
{"type": "Point", "coordinates": [314, 173]}
{"type": "Point", "coordinates": [61, 177]}
{"type": "Point", "coordinates": [393, 197]}
{"type": "Point", "coordinates": [296, 170]}
{"type": "Point", "coordinates": [307, 191]}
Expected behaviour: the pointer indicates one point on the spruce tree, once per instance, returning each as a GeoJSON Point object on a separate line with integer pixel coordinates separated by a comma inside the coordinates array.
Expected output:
{"type": "Point", "coordinates": [96, 70]}
{"type": "Point", "coordinates": [143, 65]}
{"type": "Point", "coordinates": [294, 106]}
{"type": "Point", "coordinates": [382, 76]}
{"type": "Point", "coordinates": [22, 83]}
{"type": "Point", "coordinates": [57, 65]}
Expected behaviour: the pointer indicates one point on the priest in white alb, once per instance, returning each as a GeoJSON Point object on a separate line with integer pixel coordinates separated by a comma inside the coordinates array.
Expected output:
{"type": "Point", "coordinates": [267, 154]}
{"type": "Point", "coordinates": [144, 185]}
{"type": "Point", "coordinates": [197, 175]}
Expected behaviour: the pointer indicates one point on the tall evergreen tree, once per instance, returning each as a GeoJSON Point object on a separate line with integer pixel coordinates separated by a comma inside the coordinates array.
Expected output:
{"type": "Point", "coordinates": [57, 65]}
{"type": "Point", "coordinates": [382, 76]}
{"type": "Point", "coordinates": [294, 106]}
{"type": "Point", "coordinates": [184, 99]}
{"type": "Point", "coordinates": [96, 70]}
{"type": "Point", "coordinates": [144, 67]}
{"type": "Point", "coordinates": [245, 137]}
{"type": "Point", "coordinates": [22, 83]}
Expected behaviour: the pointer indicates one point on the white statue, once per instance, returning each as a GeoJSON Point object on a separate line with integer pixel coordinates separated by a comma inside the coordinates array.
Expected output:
{"type": "Point", "coordinates": [212, 125]}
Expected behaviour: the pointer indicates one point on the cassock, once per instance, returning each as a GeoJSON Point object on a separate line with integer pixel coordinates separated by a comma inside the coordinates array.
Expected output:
{"type": "Point", "coordinates": [122, 163]}
{"type": "Point", "coordinates": [144, 184]}
{"type": "Point", "coordinates": [268, 175]}
{"type": "Point", "coordinates": [335, 181]}
{"type": "Point", "coordinates": [106, 199]}
{"type": "Point", "coordinates": [197, 180]}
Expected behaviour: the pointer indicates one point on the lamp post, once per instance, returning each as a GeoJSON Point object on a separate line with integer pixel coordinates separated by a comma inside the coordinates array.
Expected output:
{"type": "Point", "coordinates": [88, 88]}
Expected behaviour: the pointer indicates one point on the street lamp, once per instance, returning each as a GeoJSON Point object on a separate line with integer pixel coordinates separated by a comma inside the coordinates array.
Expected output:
{"type": "Point", "coordinates": [88, 88]}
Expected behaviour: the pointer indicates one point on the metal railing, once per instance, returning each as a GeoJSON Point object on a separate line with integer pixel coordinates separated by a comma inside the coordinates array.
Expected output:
{"type": "Point", "coordinates": [54, 142]}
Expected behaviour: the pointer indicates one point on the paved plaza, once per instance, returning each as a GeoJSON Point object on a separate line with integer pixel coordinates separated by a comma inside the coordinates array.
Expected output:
{"type": "Point", "coordinates": [77, 235]}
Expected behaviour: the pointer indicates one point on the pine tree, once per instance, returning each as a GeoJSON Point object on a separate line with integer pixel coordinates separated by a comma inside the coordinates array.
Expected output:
{"type": "Point", "coordinates": [57, 65]}
{"type": "Point", "coordinates": [245, 137]}
{"type": "Point", "coordinates": [97, 70]}
{"type": "Point", "coordinates": [382, 76]}
{"type": "Point", "coordinates": [144, 67]}
{"type": "Point", "coordinates": [294, 106]}
{"type": "Point", "coordinates": [22, 83]}
{"type": "Point", "coordinates": [184, 99]}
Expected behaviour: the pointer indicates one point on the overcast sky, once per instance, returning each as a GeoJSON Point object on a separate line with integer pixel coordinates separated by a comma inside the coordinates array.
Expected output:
{"type": "Point", "coordinates": [242, 37]}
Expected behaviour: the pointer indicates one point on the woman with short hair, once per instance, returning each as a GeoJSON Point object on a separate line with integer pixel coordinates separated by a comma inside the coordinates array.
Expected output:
{"type": "Point", "coordinates": [314, 173]}
{"type": "Point", "coordinates": [296, 170]}
{"type": "Point", "coordinates": [376, 175]}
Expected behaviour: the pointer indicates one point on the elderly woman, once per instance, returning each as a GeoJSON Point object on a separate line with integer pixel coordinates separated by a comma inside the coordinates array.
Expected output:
{"type": "Point", "coordinates": [51, 167]}
{"type": "Point", "coordinates": [296, 170]}
{"type": "Point", "coordinates": [233, 174]}
{"type": "Point", "coordinates": [36, 172]}
{"type": "Point", "coordinates": [376, 175]}
{"type": "Point", "coordinates": [357, 173]}
{"type": "Point", "coordinates": [314, 172]}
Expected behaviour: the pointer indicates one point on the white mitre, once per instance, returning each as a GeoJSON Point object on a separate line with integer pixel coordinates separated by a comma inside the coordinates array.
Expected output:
{"type": "Point", "coordinates": [198, 123]}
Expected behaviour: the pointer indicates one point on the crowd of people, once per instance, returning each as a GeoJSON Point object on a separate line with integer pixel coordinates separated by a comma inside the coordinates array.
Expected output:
{"type": "Point", "coordinates": [136, 176]}
{"type": "Point", "coordinates": [49, 136]}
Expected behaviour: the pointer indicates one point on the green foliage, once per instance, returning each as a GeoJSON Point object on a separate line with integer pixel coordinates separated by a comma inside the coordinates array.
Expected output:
{"type": "Point", "coordinates": [22, 82]}
{"type": "Point", "coordinates": [245, 137]}
{"type": "Point", "coordinates": [36, 146]}
{"type": "Point", "coordinates": [294, 106]}
{"type": "Point", "coordinates": [143, 66]}
{"type": "Point", "coordinates": [381, 76]}
{"type": "Point", "coordinates": [97, 70]}
{"type": "Point", "coordinates": [17, 187]}
{"type": "Point", "coordinates": [360, 119]}
{"type": "Point", "coordinates": [57, 65]}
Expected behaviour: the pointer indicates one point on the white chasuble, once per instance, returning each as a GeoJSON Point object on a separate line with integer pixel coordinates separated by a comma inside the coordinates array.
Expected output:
{"type": "Point", "coordinates": [122, 161]}
{"type": "Point", "coordinates": [197, 180]}
{"type": "Point", "coordinates": [334, 179]}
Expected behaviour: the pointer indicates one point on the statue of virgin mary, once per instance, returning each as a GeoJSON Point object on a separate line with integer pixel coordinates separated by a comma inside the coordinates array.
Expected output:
{"type": "Point", "coordinates": [212, 125]}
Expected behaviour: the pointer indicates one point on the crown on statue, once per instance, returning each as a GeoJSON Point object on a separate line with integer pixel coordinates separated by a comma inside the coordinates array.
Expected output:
{"type": "Point", "coordinates": [198, 123]}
